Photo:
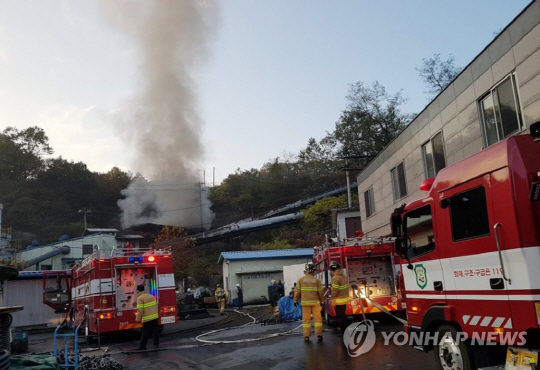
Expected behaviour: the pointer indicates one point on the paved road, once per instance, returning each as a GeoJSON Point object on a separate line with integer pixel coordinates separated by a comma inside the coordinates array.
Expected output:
{"type": "Point", "coordinates": [185, 346]}
{"type": "Point", "coordinates": [238, 348]}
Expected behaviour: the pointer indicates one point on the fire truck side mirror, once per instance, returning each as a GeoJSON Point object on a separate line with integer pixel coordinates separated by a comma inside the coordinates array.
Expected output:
{"type": "Point", "coordinates": [401, 245]}
{"type": "Point", "coordinates": [396, 223]}
{"type": "Point", "coordinates": [535, 130]}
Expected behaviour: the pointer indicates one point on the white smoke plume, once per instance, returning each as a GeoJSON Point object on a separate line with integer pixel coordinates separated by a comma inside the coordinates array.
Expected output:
{"type": "Point", "coordinates": [161, 121]}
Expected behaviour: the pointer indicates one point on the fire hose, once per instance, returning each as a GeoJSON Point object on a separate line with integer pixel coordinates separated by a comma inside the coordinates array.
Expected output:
{"type": "Point", "coordinates": [382, 308]}
{"type": "Point", "coordinates": [207, 341]}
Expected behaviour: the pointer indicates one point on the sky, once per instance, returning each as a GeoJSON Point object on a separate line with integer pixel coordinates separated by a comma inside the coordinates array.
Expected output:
{"type": "Point", "coordinates": [186, 91]}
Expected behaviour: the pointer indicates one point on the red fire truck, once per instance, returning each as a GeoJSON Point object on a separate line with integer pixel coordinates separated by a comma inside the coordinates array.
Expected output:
{"type": "Point", "coordinates": [370, 268]}
{"type": "Point", "coordinates": [100, 291]}
{"type": "Point", "coordinates": [471, 249]}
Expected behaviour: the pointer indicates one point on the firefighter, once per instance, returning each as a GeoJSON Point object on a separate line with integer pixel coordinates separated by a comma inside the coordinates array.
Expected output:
{"type": "Point", "coordinates": [340, 293]}
{"type": "Point", "coordinates": [147, 312]}
{"type": "Point", "coordinates": [309, 290]}
{"type": "Point", "coordinates": [221, 298]}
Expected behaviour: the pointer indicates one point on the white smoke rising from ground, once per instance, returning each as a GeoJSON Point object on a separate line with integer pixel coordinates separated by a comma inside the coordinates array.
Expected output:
{"type": "Point", "coordinates": [161, 121]}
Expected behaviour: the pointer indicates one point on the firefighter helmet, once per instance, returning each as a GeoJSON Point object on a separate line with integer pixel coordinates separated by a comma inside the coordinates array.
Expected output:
{"type": "Point", "coordinates": [334, 265]}
{"type": "Point", "coordinates": [310, 267]}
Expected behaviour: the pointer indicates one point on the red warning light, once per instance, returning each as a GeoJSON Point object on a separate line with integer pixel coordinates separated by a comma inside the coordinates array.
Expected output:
{"type": "Point", "coordinates": [151, 259]}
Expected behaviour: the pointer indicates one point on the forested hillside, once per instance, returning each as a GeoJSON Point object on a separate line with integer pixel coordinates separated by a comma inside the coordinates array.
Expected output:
{"type": "Point", "coordinates": [45, 197]}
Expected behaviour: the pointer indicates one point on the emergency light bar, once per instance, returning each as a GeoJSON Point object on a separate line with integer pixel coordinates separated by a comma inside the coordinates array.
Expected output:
{"type": "Point", "coordinates": [140, 259]}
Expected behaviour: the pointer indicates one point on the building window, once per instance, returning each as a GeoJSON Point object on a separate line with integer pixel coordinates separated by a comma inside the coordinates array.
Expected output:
{"type": "Point", "coordinates": [500, 111]}
{"type": "Point", "coordinates": [369, 201]}
{"type": "Point", "coordinates": [398, 181]}
{"type": "Point", "coordinates": [46, 267]}
{"type": "Point", "coordinates": [87, 249]}
{"type": "Point", "coordinates": [433, 155]}
{"type": "Point", "coordinates": [469, 215]}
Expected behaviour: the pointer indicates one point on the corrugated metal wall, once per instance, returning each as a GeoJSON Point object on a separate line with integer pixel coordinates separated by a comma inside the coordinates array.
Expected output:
{"type": "Point", "coordinates": [28, 293]}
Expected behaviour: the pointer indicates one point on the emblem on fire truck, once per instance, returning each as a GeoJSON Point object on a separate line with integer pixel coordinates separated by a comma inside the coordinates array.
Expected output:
{"type": "Point", "coordinates": [421, 276]}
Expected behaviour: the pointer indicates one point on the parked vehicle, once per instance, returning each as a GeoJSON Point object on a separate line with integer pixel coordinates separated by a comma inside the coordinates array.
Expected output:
{"type": "Point", "coordinates": [471, 250]}
{"type": "Point", "coordinates": [100, 291]}
{"type": "Point", "coordinates": [370, 268]}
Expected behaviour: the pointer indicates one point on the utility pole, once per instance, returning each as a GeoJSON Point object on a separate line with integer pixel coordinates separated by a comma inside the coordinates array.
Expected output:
{"type": "Point", "coordinates": [349, 200]}
{"type": "Point", "coordinates": [85, 211]}
{"type": "Point", "coordinates": [346, 168]}
{"type": "Point", "coordinates": [200, 203]}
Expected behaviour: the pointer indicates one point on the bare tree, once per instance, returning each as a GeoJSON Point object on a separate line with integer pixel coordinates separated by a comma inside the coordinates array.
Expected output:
{"type": "Point", "coordinates": [437, 74]}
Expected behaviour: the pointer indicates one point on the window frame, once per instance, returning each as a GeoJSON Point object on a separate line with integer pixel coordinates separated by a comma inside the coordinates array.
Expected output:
{"type": "Point", "coordinates": [512, 77]}
{"type": "Point", "coordinates": [399, 184]}
{"type": "Point", "coordinates": [458, 235]}
{"type": "Point", "coordinates": [369, 202]}
{"type": "Point", "coordinates": [91, 249]}
{"type": "Point", "coordinates": [433, 151]}
{"type": "Point", "coordinates": [420, 250]}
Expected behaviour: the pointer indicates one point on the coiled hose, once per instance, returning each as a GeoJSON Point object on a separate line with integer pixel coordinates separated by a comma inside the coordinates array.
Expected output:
{"type": "Point", "coordinates": [5, 354]}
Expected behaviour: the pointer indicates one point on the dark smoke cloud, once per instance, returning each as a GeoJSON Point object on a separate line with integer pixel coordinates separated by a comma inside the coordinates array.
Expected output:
{"type": "Point", "coordinates": [161, 121]}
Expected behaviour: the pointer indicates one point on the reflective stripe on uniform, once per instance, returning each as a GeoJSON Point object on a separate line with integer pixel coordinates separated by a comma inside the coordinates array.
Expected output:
{"type": "Point", "coordinates": [310, 288]}
{"type": "Point", "coordinates": [144, 305]}
{"type": "Point", "coordinates": [149, 317]}
{"type": "Point", "coordinates": [335, 286]}
{"type": "Point", "coordinates": [341, 301]}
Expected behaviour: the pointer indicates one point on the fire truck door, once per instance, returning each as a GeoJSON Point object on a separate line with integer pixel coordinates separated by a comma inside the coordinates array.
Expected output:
{"type": "Point", "coordinates": [479, 292]}
{"type": "Point", "coordinates": [424, 279]}
{"type": "Point", "coordinates": [127, 279]}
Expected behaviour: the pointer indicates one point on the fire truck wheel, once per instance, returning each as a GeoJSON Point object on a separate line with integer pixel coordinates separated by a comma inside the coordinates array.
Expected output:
{"type": "Point", "coordinates": [329, 320]}
{"type": "Point", "coordinates": [450, 353]}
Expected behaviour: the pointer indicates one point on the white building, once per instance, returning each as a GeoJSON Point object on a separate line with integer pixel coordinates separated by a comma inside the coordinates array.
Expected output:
{"type": "Point", "coordinates": [254, 270]}
{"type": "Point", "coordinates": [346, 221]}
{"type": "Point", "coordinates": [63, 254]}
{"type": "Point", "coordinates": [497, 95]}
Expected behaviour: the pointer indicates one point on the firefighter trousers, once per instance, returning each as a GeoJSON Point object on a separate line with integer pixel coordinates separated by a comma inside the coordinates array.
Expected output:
{"type": "Point", "coordinates": [340, 315]}
{"type": "Point", "coordinates": [221, 305]}
{"type": "Point", "coordinates": [307, 311]}
{"type": "Point", "coordinates": [150, 328]}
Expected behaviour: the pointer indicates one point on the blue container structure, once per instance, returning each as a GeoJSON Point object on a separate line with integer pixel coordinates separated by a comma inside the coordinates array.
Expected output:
{"type": "Point", "coordinates": [66, 337]}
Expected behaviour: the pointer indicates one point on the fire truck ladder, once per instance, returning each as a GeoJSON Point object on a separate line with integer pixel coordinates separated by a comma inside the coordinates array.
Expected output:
{"type": "Point", "coordinates": [111, 270]}
{"type": "Point", "coordinates": [64, 331]}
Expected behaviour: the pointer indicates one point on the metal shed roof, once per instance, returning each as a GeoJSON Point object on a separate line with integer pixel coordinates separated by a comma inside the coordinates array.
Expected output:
{"type": "Point", "coordinates": [266, 254]}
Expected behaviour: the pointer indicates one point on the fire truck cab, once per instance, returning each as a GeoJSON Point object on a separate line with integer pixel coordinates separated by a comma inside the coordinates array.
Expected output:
{"type": "Point", "coordinates": [369, 266]}
{"type": "Point", "coordinates": [471, 256]}
{"type": "Point", "coordinates": [100, 293]}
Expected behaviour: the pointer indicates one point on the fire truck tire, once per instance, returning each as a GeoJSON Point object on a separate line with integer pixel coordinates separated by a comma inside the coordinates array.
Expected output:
{"type": "Point", "coordinates": [451, 354]}
{"type": "Point", "coordinates": [329, 319]}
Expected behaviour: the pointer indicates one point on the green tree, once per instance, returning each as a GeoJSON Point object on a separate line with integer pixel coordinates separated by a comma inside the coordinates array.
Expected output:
{"type": "Point", "coordinates": [371, 120]}
{"type": "Point", "coordinates": [21, 152]}
{"type": "Point", "coordinates": [437, 74]}
{"type": "Point", "coordinates": [318, 217]}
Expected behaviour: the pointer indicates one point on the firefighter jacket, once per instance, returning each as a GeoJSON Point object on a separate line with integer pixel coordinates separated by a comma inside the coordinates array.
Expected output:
{"type": "Point", "coordinates": [340, 288]}
{"type": "Point", "coordinates": [221, 295]}
{"type": "Point", "coordinates": [147, 308]}
{"type": "Point", "coordinates": [309, 289]}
